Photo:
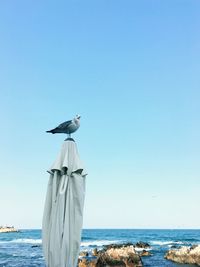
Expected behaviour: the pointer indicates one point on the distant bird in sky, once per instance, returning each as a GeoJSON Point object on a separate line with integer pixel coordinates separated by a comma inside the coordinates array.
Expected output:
{"type": "Point", "coordinates": [67, 127]}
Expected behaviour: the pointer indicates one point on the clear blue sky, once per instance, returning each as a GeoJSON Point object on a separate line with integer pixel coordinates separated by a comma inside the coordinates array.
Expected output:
{"type": "Point", "coordinates": [131, 69]}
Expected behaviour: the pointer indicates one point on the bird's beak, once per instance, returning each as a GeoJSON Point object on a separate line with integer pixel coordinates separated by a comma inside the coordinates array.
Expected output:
{"type": "Point", "coordinates": [78, 117]}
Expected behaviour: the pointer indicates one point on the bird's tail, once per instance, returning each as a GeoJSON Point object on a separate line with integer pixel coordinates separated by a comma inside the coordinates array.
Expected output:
{"type": "Point", "coordinates": [51, 131]}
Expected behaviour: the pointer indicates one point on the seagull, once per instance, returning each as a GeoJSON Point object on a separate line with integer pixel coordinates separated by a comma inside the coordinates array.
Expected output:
{"type": "Point", "coordinates": [67, 127]}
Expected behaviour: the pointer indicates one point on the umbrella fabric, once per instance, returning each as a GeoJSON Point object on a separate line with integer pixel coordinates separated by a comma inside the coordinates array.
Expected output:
{"type": "Point", "coordinates": [63, 210]}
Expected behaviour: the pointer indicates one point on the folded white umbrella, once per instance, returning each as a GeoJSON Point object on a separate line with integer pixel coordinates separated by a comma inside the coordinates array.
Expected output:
{"type": "Point", "coordinates": [63, 211]}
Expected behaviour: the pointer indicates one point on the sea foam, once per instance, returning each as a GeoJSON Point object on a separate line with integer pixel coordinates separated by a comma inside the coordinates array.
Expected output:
{"type": "Point", "coordinates": [165, 243]}
{"type": "Point", "coordinates": [99, 243]}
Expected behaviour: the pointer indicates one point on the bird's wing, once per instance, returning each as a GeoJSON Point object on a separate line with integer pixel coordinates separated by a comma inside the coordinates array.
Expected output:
{"type": "Point", "coordinates": [64, 125]}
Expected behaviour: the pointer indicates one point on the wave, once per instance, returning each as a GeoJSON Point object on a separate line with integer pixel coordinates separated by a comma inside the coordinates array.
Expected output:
{"type": "Point", "coordinates": [141, 249]}
{"type": "Point", "coordinates": [192, 240]}
{"type": "Point", "coordinates": [99, 243]}
{"type": "Point", "coordinates": [24, 240]}
{"type": "Point", "coordinates": [39, 241]}
{"type": "Point", "coordinates": [163, 243]}
{"type": "Point", "coordinates": [96, 243]}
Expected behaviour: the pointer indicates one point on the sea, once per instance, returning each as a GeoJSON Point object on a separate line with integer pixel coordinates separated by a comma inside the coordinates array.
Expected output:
{"type": "Point", "coordinates": [24, 248]}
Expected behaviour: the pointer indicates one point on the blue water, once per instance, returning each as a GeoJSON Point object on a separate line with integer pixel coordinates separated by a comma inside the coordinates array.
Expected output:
{"type": "Point", "coordinates": [24, 249]}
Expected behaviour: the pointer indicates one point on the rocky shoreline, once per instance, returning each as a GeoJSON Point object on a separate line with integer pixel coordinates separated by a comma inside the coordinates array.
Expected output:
{"type": "Point", "coordinates": [115, 255]}
{"type": "Point", "coordinates": [8, 229]}
{"type": "Point", "coordinates": [130, 255]}
{"type": "Point", "coordinates": [186, 255]}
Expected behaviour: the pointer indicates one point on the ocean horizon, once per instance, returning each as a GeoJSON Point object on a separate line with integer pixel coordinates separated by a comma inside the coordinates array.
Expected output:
{"type": "Point", "coordinates": [24, 248]}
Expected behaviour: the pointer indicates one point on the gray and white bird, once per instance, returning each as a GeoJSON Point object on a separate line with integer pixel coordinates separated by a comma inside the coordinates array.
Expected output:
{"type": "Point", "coordinates": [67, 127]}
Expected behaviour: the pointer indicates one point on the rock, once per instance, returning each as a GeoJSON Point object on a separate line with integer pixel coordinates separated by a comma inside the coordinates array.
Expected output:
{"type": "Point", "coordinates": [83, 253]}
{"type": "Point", "coordinates": [8, 229]}
{"type": "Point", "coordinates": [95, 252]}
{"type": "Point", "coordinates": [193, 246]}
{"type": "Point", "coordinates": [174, 246]}
{"type": "Point", "coordinates": [119, 256]}
{"type": "Point", "coordinates": [142, 245]}
{"type": "Point", "coordinates": [87, 263]}
{"type": "Point", "coordinates": [128, 244]}
{"type": "Point", "coordinates": [145, 253]}
{"type": "Point", "coordinates": [190, 255]}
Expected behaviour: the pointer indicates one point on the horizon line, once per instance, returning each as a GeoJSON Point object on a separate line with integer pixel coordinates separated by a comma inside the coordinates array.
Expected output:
{"type": "Point", "coordinates": [122, 228]}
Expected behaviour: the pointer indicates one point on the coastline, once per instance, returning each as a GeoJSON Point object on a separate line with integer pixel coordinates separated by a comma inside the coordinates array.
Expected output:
{"type": "Point", "coordinates": [20, 246]}
{"type": "Point", "coordinates": [8, 229]}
